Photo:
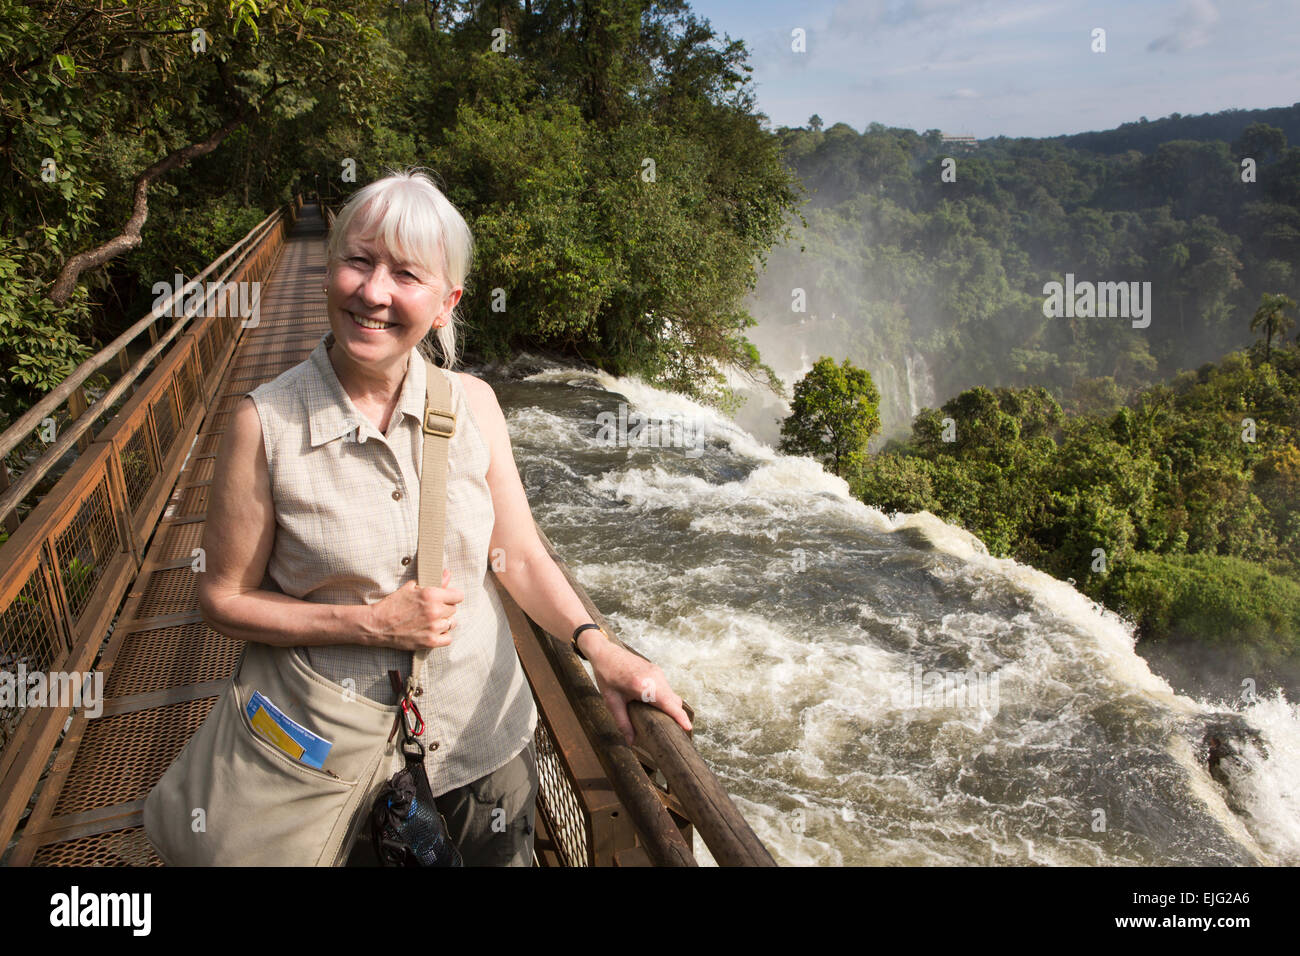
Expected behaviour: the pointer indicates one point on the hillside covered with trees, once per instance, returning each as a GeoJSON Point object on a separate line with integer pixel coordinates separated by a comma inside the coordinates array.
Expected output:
{"type": "Point", "coordinates": [915, 246]}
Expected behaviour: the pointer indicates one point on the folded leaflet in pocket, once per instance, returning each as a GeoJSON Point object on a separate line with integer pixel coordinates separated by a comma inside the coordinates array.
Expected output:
{"type": "Point", "coordinates": [291, 737]}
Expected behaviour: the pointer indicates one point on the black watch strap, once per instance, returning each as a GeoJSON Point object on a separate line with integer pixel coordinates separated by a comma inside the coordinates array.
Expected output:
{"type": "Point", "coordinates": [578, 630]}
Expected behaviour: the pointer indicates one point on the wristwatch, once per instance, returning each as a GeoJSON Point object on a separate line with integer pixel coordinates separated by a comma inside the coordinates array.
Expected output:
{"type": "Point", "coordinates": [579, 630]}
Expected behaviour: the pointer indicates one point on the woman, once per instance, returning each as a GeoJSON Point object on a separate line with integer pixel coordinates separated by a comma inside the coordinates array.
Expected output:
{"type": "Point", "coordinates": [313, 515]}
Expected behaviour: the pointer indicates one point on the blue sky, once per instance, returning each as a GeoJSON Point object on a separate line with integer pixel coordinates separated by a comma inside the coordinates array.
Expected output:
{"type": "Point", "coordinates": [1012, 67]}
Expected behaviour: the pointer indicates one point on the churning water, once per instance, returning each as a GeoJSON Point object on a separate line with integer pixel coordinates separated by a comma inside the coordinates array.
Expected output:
{"type": "Point", "coordinates": [876, 690]}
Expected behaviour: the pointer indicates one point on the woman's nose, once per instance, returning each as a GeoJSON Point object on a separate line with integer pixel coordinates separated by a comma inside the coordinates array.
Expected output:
{"type": "Point", "coordinates": [377, 287]}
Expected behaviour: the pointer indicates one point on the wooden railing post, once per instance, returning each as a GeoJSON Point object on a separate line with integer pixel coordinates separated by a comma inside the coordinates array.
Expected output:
{"type": "Point", "coordinates": [11, 517]}
{"type": "Point", "coordinates": [76, 408]}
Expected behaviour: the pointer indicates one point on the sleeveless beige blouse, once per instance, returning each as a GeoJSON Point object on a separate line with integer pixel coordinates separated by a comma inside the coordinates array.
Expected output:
{"type": "Point", "coordinates": [347, 515]}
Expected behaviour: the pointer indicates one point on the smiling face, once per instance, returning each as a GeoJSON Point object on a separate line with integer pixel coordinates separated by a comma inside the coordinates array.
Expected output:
{"type": "Point", "coordinates": [381, 305]}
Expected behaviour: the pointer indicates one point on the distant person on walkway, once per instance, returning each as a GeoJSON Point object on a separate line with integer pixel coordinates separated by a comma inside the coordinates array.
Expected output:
{"type": "Point", "coordinates": [313, 516]}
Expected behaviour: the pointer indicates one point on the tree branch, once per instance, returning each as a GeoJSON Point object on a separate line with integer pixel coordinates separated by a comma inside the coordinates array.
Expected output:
{"type": "Point", "coordinates": [129, 238]}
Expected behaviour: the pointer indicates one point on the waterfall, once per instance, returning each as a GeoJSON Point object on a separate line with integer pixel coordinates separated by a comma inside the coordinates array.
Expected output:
{"type": "Point", "coordinates": [880, 690]}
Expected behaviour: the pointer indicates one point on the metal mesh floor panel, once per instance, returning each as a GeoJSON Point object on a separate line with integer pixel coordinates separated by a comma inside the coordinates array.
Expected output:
{"type": "Point", "coordinates": [116, 848]}
{"type": "Point", "coordinates": [122, 757]}
{"type": "Point", "coordinates": [169, 592]}
{"type": "Point", "coordinates": [167, 657]}
{"type": "Point", "coordinates": [179, 540]}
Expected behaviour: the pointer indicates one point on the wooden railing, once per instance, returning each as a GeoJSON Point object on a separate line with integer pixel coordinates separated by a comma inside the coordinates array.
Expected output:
{"type": "Point", "coordinates": [326, 212]}
{"type": "Point", "coordinates": [656, 823]}
{"type": "Point", "coordinates": [249, 261]}
{"type": "Point", "coordinates": [65, 569]}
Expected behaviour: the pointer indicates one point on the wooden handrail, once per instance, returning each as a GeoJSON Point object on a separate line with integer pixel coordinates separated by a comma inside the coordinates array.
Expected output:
{"type": "Point", "coordinates": [664, 843]}
{"type": "Point", "coordinates": [69, 390]}
{"type": "Point", "coordinates": [29, 420]}
{"type": "Point", "coordinates": [723, 828]}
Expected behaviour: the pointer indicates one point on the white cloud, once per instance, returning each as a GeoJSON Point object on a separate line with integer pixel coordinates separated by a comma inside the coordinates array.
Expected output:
{"type": "Point", "coordinates": [970, 62]}
{"type": "Point", "coordinates": [1192, 29]}
{"type": "Point", "coordinates": [862, 17]}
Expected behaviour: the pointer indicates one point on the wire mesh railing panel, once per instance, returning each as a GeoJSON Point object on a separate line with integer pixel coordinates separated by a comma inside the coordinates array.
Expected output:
{"type": "Point", "coordinates": [30, 637]}
{"type": "Point", "coordinates": [165, 424]}
{"type": "Point", "coordinates": [205, 351]}
{"type": "Point", "coordinates": [558, 802]}
{"type": "Point", "coordinates": [139, 466]}
{"type": "Point", "coordinates": [85, 547]}
{"type": "Point", "coordinates": [187, 383]}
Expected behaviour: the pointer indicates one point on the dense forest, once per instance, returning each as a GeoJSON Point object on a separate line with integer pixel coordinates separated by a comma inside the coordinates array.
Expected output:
{"type": "Point", "coordinates": [1177, 509]}
{"type": "Point", "coordinates": [918, 248]}
{"type": "Point", "coordinates": [608, 157]}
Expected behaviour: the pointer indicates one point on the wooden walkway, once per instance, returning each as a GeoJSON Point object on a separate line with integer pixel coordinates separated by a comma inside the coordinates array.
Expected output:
{"type": "Point", "coordinates": [164, 667]}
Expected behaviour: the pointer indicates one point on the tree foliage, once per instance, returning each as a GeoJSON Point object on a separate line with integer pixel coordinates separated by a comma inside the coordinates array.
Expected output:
{"type": "Point", "coordinates": [835, 410]}
{"type": "Point", "coordinates": [607, 155]}
{"type": "Point", "coordinates": [900, 259]}
{"type": "Point", "coordinates": [115, 111]}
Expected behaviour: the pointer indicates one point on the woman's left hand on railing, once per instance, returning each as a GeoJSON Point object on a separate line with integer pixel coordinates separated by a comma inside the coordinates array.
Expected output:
{"type": "Point", "coordinates": [623, 677]}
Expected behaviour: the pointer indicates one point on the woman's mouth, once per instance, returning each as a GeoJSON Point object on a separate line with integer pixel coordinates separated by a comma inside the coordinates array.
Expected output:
{"type": "Point", "coordinates": [373, 325]}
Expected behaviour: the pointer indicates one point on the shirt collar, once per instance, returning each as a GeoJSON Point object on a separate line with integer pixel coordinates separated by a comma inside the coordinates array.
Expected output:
{"type": "Point", "coordinates": [330, 410]}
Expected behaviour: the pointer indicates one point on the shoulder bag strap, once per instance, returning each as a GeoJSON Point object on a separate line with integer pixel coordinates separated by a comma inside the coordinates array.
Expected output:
{"type": "Point", "coordinates": [438, 426]}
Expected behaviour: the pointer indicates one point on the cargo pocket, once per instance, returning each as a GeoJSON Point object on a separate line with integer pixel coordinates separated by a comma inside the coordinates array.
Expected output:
{"type": "Point", "coordinates": [279, 810]}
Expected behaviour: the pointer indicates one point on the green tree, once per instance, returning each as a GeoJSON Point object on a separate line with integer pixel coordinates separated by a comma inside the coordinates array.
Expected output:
{"type": "Point", "coordinates": [1261, 142]}
{"type": "Point", "coordinates": [1271, 316]}
{"type": "Point", "coordinates": [834, 413]}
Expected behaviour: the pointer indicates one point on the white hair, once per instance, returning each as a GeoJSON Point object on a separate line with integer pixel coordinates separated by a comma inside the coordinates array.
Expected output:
{"type": "Point", "coordinates": [414, 220]}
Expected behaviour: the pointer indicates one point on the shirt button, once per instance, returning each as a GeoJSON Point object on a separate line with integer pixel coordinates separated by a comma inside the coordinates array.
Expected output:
{"type": "Point", "coordinates": [397, 496]}
{"type": "Point", "coordinates": [406, 560]}
{"type": "Point", "coordinates": [433, 746]}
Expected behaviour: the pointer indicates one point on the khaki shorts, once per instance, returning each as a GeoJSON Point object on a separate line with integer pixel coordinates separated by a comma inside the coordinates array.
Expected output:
{"type": "Point", "coordinates": [491, 820]}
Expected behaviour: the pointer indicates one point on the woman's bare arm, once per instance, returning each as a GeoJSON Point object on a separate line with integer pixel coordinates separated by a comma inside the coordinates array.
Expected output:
{"type": "Point", "coordinates": [237, 539]}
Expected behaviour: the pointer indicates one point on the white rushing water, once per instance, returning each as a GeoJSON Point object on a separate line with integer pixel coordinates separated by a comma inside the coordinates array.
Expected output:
{"type": "Point", "coordinates": [879, 690]}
